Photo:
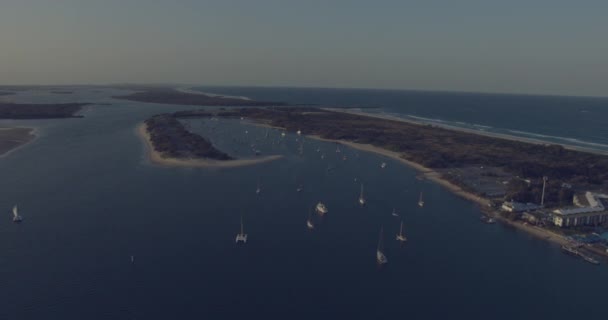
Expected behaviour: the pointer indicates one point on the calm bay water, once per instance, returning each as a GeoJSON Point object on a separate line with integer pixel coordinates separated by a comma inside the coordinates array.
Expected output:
{"type": "Point", "coordinates": [90, 200]}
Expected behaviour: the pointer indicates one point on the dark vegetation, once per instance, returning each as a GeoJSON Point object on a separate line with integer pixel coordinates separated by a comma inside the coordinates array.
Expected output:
{"type": "Point", "coordinates": [61, 92]}
{"type": "Point", "coordinates": [2, 93]}
{"type": "Point", "coordinates": [555, 194]}
{"type": "Point", "coordinates": [171, 96]}
{"type": "Point", "coordinates": [437, 148]}
{"type": "Point", "coordinates": [39, 111]}
{"type": "Point", "coordinates": [171, 139]}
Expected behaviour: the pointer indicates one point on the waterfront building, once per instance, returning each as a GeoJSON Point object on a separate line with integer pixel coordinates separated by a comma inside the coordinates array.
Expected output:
{"type": "Point", "coordinates": [589, 209]}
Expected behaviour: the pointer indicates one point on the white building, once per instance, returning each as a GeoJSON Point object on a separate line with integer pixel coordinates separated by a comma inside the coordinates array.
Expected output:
{"type": "Point", "coordinates": [588, 210]}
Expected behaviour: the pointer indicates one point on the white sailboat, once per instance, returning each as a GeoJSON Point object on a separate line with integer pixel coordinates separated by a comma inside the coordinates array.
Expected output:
{"type": "Point", "coordinates": [361, 197]}
{"type": "Point", "coordinates": [241, 237]}
{"type": "Point", "coordinates": [394, 213]}
{"type": "Point", "coordinates": [400, 236]}
{"type": "Point", "coordinates": [383, 165]}
{"type": "Point", "coordinates": [299, 132]}
{"type": "Point", "coordinates": [309, 222]}
{"type": "Point", "coordinates": [16, 216]}
{"type": "Point", "coordinates": [321, 208]}
{"type": "Point", "coordinates": [132, 259]}
{"type": "Point", "coordinates": [338, 149]}
{"type": "Point", "coordinates": [258, 190]}
{"type": "Point", "coordinates": [380, 257]}
{"type": "Point", "coordinates": [300, 188]}
{"type": "Point", "coordinates": [420, 201]}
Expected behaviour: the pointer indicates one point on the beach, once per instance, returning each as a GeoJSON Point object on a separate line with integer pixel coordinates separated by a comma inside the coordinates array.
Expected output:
{"type": "Point", "coordinates": [435, 176]}
{"type": "Point", "coordinates": [13, 138]}
{"type": "Point", "coordinates": [156, 157]}
{"type": "Point", "coordinates": [427, 173]}
{"type": "Point", "coordinates": [471, 131]}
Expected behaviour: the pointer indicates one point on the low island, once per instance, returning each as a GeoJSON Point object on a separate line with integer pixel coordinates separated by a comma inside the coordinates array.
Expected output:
{"type": "Point", "coordinates": [169, 143]}
{"type": "Point", "coordinates": [40, 111]}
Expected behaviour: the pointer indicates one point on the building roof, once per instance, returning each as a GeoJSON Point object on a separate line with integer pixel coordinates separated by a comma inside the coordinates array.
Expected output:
{"type": "Point", "coordinates": [592, 199]}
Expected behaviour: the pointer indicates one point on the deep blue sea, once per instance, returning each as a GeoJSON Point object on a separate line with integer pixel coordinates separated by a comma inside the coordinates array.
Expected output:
{"type": "Point", "coordinates": [90, 199]}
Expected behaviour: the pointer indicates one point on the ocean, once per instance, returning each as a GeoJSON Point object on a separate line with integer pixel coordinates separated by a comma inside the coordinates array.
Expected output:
{"type": "Point", "coordinates": [91, 200]}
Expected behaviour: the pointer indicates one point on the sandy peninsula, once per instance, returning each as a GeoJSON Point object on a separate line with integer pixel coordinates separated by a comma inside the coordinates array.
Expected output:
{"type": "Point", "coordinates": [13, 138]}
{"type": "Point", "coordinates": [157, 158]}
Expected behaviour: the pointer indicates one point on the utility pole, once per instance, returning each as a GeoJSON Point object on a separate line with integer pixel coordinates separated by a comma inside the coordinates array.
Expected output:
{"type": "Point", "coordinates": [542, 198]}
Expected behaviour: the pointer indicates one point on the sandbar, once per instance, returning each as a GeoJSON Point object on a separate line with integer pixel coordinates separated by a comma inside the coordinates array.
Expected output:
{"type": "Point", "coordinates": [14, 137]}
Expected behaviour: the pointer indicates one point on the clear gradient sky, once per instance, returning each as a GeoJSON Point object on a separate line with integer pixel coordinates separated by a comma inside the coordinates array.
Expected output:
{"type": "Point", "coordinates": [521, 46]}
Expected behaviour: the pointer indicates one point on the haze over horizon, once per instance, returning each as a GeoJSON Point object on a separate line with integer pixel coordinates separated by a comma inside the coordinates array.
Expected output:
{"type": "Point", "coordinates": [539, 47]}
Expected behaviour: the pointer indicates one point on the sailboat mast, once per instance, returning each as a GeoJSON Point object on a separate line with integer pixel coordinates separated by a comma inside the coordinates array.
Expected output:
{"type": "Point", "coordinates": [401, 228]}
{"type": "Point", "coordinates": [242, 232]}
{"type": "Point", "coordinates": [380, 240]}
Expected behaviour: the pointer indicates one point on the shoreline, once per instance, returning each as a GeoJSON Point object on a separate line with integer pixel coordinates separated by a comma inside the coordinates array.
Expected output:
{"type": "Point", "coordinates": [471, 131]}
{"type": "Point", "coordinates": [26, 138]}
{"type": "Point", "coordinates": [155, 157]}
{"type": "Point", "coordinates": [435, 177]}
{"type": "Point", "coordinates": [427, 173]}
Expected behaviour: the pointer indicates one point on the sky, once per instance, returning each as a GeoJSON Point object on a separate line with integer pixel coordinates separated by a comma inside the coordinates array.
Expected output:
{"type": "Point", "coordinates": [516, 46]}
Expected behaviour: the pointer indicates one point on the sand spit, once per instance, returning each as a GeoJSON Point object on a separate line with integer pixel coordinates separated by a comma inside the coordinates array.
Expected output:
{"type": "Point", "coordinates": [157, 158]}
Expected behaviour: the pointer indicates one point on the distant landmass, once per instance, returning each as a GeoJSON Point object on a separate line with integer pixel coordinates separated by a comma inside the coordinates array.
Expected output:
{"type": "Point", "coordinates": [40, 111]}
{"type": "Point", "coordinates": [172, 96]}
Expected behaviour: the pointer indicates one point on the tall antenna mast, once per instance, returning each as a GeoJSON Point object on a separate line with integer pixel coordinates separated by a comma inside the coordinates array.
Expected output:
{"type": "Point", "coordinates": [542, 198]}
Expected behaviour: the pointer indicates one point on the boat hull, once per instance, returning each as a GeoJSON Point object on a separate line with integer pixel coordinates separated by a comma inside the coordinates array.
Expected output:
{"type": "Point", "coordinates": [321, 209]}
{"type": "Point", "coordinates": [381, 258]}
{"type": "Point", "coordinates": [241, 238]}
